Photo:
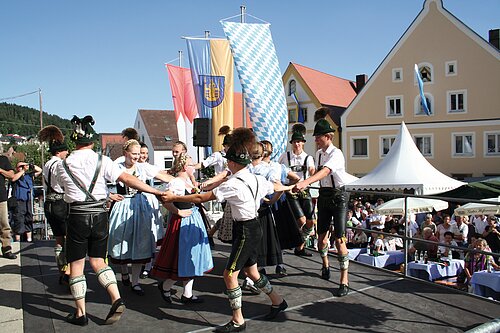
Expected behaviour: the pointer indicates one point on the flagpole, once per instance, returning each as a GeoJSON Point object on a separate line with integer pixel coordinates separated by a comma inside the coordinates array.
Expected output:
{"type": "Point", "coordinates": [243, 10]}
{"type": "Point", "coordinates": [180, 58]}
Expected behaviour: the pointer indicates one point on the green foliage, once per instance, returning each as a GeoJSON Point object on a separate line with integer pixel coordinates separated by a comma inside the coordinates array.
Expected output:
{"type": "Point", "coordinates": [25, 121]}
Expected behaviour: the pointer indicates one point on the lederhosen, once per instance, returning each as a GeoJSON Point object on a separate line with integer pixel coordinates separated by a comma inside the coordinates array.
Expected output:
{"type": "Point", "coordinates": [300, 203]}
{"type": "Point", "coordinates": [87, 227]}
{"type": "Point", "coordinates": [332, 203]}
{"type": "Point", "coordinates": [246, 236]}
{"type": "Point", "coordinates": [56, 209]}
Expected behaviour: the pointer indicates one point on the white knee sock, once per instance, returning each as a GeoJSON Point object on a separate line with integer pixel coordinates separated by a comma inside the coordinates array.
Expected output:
{"type": "Point", "coordinates": [136, 270]}
{"type": "Point", "coordinates": [188, 288]}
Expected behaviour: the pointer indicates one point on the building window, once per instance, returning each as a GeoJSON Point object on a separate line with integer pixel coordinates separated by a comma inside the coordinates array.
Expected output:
{"type": "Point", "coordinates": [300, 116]}
{"type": "Point", "coordinates": [138, 125]}
{"type": "Point", "coordinates": [425, 71]}
{"type": "Point", "coordinates": [303, 114]}
{"type": "Point", "coordinates": [168, 161]}
{"type": "Point", "coordinates": [492, 144]}
{"type": "Point", "coordinates": [292, 87]}
{"type": "Point", "coordinates": [386, 143]}
{"type": "Point", "coordinates": [463, 144]}
{"type": "Point", "coordinates": [394, 106]}
{"type": "Point", "coordinates": [424, 144]}
{"type": "Point", "coordinates": [457, 101]}
{"type": "Point", "coordinates": [450, 68]}
{"type": "Point", "coordinates": [292, 116]}
{"type": "Point", "coordinates": [397, 75]}
{"type": "Point", "coordinates": [419, 109]}
{"type": "Point", "coordinates": [359, 147]}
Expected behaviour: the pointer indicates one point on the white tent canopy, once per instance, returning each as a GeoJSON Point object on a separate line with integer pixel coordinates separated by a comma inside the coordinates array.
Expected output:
{"type": "Point", "coordinates": [405, 167]}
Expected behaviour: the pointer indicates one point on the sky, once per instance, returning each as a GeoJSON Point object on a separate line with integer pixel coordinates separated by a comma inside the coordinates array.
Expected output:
{"type": "Point", "coordinates": [107, 57]}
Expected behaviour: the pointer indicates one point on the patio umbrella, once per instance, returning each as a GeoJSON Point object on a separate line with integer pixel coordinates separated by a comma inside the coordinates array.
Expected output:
{"type": "Point", "coordinates": [474, 208]}
{"type": "Point", "coordinates": [415, 205]}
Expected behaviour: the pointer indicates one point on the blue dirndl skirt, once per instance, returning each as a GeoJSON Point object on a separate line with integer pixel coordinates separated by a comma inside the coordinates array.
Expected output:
{"type": "Point", "coordinates": [131, 239]}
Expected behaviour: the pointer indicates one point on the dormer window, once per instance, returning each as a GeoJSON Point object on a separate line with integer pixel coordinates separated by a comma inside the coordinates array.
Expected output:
{"type": "Point", "coordinates": [292, 87]}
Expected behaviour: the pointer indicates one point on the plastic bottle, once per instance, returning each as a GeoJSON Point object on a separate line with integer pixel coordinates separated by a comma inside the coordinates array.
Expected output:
{"type": "Point", "coordinates": [439, 256]}
{"type": "Point", "coordinates": [416, 256]}
{"type": "Point", "coordinates": [488, 265]}
{"type": "Point", "coordinates": [426, 258]}
{"type": "Point", "coordinates": [450, 255]}
{"type": "Point", "coordinates": [368, 246]}
{"type": "Point", "coordinates": [421, 258]}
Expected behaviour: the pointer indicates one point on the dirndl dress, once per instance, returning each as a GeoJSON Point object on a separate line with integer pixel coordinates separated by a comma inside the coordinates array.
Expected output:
{"type": "Point", "coordinates": [269, 248]}
{"type": "Point", "coordinates": [288, 231]}
{"type": "Point", "coordinates": [185, 250]}
{"type": "Point", "coordinates": [131, 239]}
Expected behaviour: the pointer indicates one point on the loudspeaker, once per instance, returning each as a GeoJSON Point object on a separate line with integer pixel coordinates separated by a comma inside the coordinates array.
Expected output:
{"type": "Point", "coordinates": [202, 132]}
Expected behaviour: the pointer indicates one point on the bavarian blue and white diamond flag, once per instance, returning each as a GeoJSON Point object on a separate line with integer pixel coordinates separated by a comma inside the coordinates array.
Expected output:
{"type": "Point", "coordinates": [258, 69]}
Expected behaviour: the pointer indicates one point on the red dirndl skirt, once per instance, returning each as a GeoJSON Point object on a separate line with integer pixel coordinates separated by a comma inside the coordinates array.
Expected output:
{"type": "Point", "coordinates": [167, 262]}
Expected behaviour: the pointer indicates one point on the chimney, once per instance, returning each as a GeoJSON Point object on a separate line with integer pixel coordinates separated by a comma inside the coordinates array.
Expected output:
{"type": "Point", "coordinates": [361, 81]}
{"type": "Point", "coordinates": [493, 38]}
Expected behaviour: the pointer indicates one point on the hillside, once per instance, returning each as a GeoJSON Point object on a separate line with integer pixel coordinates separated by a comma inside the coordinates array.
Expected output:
{"type": "Point", "coordinates": [25, 121]}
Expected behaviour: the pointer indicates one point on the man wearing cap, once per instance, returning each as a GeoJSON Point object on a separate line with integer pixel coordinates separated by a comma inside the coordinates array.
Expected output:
{"type": "Point", "coordinates": [83, 176]}
{"type": "Point", "coordinates": [300, 203]}
{"type": "Point", "coordinates": [6, 172]}
{"type": "Point", "coordinates": [332, 201]}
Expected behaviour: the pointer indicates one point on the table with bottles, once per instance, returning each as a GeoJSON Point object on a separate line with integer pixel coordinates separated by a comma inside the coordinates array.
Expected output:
{"type": "Point", "coordinates": [382, 260]}
{"type": "Point", "coordinates": [435, 270]}
{"type": "Point", "coordinates": [486, 284]}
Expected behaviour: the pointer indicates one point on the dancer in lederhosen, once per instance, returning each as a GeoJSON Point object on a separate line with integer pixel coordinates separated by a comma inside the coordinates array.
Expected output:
{"type": "Point", "coordinates": [83, 175]}
{"type": "Point", "coordinates": [300, 203]}
{"type": "Point", "coordinates": [243, 191]}
{"type": "Point", "coordinates": [332, 201]}
{"type": "Point", "coordinates": [56, 210]}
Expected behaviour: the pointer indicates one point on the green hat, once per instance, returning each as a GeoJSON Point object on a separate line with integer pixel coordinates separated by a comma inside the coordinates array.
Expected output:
{"type": "Point", "coordinates": [83, 133]}
{"type": "Point", "coordinates": [238, 157]}
{"type": "Point", "coordinates": [297, 136]}
{"type": "Point", "coordinates": [322, 127]}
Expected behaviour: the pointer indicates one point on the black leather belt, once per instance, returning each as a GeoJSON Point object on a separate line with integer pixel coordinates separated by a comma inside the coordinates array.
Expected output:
{"type": "Point", "coordinates": [88, 207]}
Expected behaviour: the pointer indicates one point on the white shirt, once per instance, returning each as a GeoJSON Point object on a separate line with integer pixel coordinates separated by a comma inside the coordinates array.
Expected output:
{"type": "Point", "coordinates": [82, 164]}
{"type": "Point", "coordinates": [297, 160]}
{"type": "Point", "coordinates": [462, 230]}
{"type": "Point", "coordinates": [243, 205]}
{"type": "Point", "coordinates": [333, 159]}
{"type": "Point", "coordinates": [218, 161]}
{"type": "Point", "coordinates": [52, 164]}
{"type": "Point", "coordinates": [480, 223]}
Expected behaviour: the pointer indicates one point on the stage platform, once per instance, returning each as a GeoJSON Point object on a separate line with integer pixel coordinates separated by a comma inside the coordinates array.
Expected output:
{"type": "Point", "coordinates": [379, 301]}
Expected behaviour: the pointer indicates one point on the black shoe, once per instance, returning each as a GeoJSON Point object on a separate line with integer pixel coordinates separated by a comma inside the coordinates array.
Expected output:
{"type": "Point", "coordinates": [250, 287]}
{"type": "Point", "coordinates": [126, 279]}
{"type": "Point", "coordinates": [137, 289]}
{"type": "Point", "coordinates": [302, 253]}
{"type": "Point", "coordinates": [191, 300]}
{"type": "Point", "coordinates": [343, 290]}
{"type": "Point", "coordinates": [275, 310]}
{"type": "Point", "coordinates": [166, 297]}
{"type": "Point", "coordinates": [9, 255]}
{"type": "Point", "coordinates": [80, 321]}
{"type": "Point", "coordinates": [281, 271]}
{"type": "Point", "coordinates": [325, 273]}
{"type": "Point", "coordinates": [144, 274]}
{"type": "Point", "coordinates": [115, 312]}
{"type": "Point", "coordinates": [231, 327]}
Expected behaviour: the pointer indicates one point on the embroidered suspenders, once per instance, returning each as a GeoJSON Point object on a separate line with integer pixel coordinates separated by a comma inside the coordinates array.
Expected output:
{"type": "Point", "coordinates": [88, 193]}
